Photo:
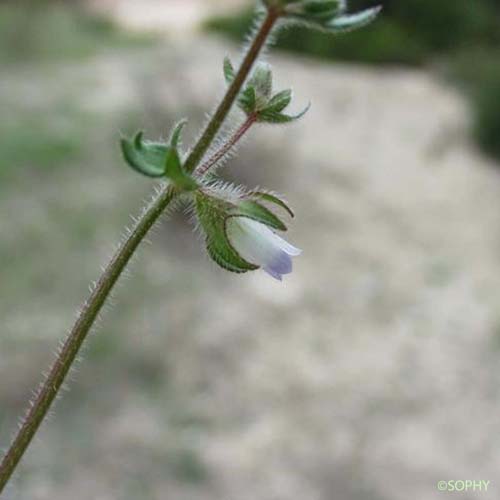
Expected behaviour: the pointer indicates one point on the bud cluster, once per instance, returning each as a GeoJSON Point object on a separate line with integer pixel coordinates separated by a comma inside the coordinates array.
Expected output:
{"type": "Point", "coordinates": [326, 15]}
{"type": "Point", "coordinates": [257, 98]}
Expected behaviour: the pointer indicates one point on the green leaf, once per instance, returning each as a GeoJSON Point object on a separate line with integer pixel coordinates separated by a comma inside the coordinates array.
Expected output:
{"type": "Point", "coordinates": [259, 213]}
{"type": "Point", "coordinates": [147, 158]}
{"type": "Point", "coordinates": [229, 73]}
{"type": "Point", "coordinates": [350, 22]}
{"type": "Point", "coordinates": [155, 159]}
{"type": "Point", "coordinates": [271, 198]}
{"type": "Point", "coordinates": [212, 215]}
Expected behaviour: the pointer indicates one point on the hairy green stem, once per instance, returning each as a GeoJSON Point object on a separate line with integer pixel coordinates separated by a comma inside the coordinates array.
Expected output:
{"type": "Point", "coordinates": [68, 352]}
{"type": "Point", "coordinates": [226, 104]}
{"type": "Point", "coordinates": [226, 148]}
{"type": "Point", "coordinates": [66, 356]}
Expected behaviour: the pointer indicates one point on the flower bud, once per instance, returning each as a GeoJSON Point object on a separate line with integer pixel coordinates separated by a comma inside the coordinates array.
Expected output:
{"type": "Point", "coordinates": [257, 97]}
{"type": "Point", "coordinates": [239, 231]}
{"type": "Point", "coordinates": [256, 243]}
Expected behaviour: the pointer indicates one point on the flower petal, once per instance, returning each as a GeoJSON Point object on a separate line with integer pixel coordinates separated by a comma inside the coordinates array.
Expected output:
{"type": "Point", "coordinates": [257, 244]}
{"type": "Point", "coordinates": [281, 265]}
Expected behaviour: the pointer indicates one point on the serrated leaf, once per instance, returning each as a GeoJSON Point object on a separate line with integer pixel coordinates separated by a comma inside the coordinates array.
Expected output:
{"type": "Point", "coordinates": [259, 213]}
{"type": "Point", "coordinates": [271, 198]}
{"type": "Point", "coordinates": [350, 22]}
{"type": "Point", "coordinates": [147, 158]}
{"type": "Point", "coordinates": [229, 73]}
{"type": "Point", "coordinates": [212, 217]}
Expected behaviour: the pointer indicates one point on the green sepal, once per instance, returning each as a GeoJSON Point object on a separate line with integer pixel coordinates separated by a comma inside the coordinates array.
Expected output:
{"type": "Point", "coordinates": [212, 215]}
{"type": "Point", "coordinates": [147, 158]}
{"type": "Point", "coordinates": [248, 100]}
{"type": "Point", "coordinates": [271, 198]}
{"type": "Point", "coordinates": [279, 101]}
{"type": "Point", "coordinates": [225, 261]}
{"type": "Point", "coordinates": [262, 82]}
{"type": "Point", "coordinates": [257, 92]}
{"type": "Point", "coordinates": [350, 22]}
{"type": "Point", "coordinates": [229, 73]}
{"type": "Point", "coordinates": [271, 116]}
{"type": "Point", "coordinates": [329, 15]}
{"type": "Point", "coordinates": [259, 213]}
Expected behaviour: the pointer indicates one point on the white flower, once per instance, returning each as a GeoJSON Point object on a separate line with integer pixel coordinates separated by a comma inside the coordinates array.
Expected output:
{"type": "Point", "coordinates": [258, 245]}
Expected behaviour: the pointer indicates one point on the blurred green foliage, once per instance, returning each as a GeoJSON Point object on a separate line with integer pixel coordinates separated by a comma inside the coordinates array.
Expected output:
{"type": "Point", "coordinates": [465, 34]}
{"type": "Point", "coordinates": [37, 38]}
{"type": "Point", "coordinates": [49, 30]}
{"type": "Point", "coordinates": [487, 115]}
{"type": "Point", "coordinates": [40, 138]}
{"type": "Point", "coordinates": [478, 72]}
{"type": "Point", "coordinates": [445, 25]}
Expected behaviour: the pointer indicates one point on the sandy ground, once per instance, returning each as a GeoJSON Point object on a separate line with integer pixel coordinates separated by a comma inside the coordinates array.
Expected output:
{"type": "Point", "coordinates": [176, 17]}
{"type": "Point", "coordinates": [370, 374]}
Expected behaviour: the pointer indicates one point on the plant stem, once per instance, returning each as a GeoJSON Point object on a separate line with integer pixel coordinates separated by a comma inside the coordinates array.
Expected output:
{"type": "Point", "coordinates": [68, 352]}
{"type": "Point", "coordinates": [51, 386]}
{"type": "Point", "coordinates": [218, 155]}
{"type": "Point", "coordinates": [222, 111]}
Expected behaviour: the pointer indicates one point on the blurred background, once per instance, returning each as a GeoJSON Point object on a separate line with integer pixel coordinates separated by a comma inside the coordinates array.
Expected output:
{"type": "Point", "coordinates": [371, 373]}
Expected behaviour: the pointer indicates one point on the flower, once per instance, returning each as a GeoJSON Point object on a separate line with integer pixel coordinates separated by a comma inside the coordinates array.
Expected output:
{"type": "Point", "coordinates": [258, 245]}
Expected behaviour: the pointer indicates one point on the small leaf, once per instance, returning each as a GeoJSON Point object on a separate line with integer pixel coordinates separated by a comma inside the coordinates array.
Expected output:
{"type": "Point", "coordinates": [229, 73]}
{"type": "Point", "coordinates": [271, 198]}
{"type": "Point", "coordinates": [350, 22]}
{"type": "Point", "coordinates": [259, 213]}
{"type": "Point", "coordinates": [147, 158]}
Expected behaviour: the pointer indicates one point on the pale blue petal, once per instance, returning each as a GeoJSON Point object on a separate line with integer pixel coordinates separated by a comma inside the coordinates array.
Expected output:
{"type": "Point", "coordinates": [257, 244]}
